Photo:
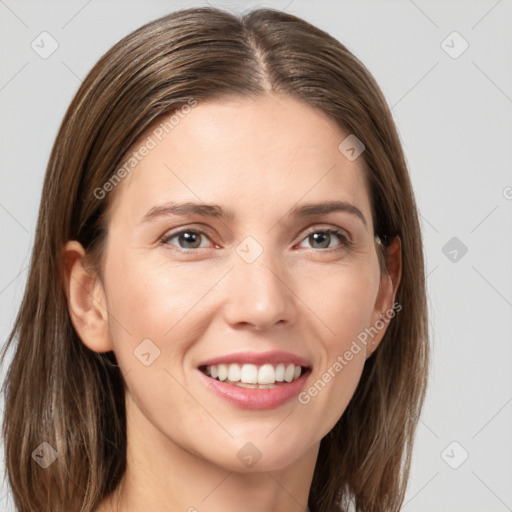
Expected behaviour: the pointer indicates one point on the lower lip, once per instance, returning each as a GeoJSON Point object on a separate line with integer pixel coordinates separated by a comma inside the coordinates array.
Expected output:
{"type": "Point", "coordinates": [252, 398]}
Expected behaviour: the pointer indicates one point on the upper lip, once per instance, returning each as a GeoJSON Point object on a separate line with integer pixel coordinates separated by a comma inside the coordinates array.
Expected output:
{"type": "Point", "coordinates": [258, 358]}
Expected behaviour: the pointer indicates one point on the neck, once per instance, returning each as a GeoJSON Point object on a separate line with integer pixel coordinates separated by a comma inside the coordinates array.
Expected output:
{"type": "Point", "coordinates": [163, 476]}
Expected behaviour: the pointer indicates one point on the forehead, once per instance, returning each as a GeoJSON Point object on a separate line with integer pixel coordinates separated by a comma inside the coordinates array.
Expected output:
{"type": "Point", "coordinates": [265, 154]}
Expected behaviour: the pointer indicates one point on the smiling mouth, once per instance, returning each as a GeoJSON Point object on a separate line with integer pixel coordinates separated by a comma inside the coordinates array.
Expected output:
{"type": "Point", "coordinates": [255, 376]}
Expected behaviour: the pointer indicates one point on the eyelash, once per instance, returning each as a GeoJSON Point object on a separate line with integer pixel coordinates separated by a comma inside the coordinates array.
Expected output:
{"type": "Point", "coordinates": [345, 242]}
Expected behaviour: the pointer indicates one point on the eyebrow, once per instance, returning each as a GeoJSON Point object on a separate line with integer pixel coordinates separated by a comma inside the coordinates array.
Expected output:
{"type": "Point", "coordinates": [216, 211]}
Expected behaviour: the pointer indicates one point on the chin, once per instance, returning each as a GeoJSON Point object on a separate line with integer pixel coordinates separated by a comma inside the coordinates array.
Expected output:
{"type": "Point", "coordinates": [259, 452]}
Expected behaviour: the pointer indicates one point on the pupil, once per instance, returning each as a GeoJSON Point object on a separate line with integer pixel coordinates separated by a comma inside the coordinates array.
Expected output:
{"type": "Point", "coordinates": [186, 237]}
{"type": "Point", "coordinates": [325, 236]}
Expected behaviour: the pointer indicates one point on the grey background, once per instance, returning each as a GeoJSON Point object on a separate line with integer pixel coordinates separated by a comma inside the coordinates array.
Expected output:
{"type": "Point", "coordinates": [454, 119]}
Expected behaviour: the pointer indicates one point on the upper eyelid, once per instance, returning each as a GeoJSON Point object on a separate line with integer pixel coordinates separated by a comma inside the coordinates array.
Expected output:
{"type": "Point", "coordinates": [315, 228]}
{"type": "Point", "coordinates": [307, 231]}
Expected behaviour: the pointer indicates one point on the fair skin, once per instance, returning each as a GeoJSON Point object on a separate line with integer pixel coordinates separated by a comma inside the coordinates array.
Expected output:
{"type": "Point", "coordinates": [305, 296]}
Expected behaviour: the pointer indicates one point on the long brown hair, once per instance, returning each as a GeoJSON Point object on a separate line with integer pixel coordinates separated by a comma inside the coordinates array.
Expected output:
{"type": "Point", "coordinates": [59, 392]}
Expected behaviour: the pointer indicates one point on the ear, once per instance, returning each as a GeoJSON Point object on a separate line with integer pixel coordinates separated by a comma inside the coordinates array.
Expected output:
{"type": "Point", "coordinates": [86, 300]}
{"type": "Point", "coordinates": [385, 301]}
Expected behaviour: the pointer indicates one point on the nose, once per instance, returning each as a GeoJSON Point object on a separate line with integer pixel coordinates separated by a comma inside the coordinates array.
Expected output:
{"type": "Point", "coordinates": [259, 294]}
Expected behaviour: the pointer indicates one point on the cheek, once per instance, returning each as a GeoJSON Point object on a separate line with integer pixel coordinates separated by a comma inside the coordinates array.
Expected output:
{"type": "Point", "coordinates": [345, 308]}
{"type": "Point", "coordinates": [153, 324]}
{"type": "Point", "coordinates": [152, 299]}
{"type": "Point", "coordinates": [343, 299]}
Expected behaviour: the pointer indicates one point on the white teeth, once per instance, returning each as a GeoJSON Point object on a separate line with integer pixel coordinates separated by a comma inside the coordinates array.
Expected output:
{"type": "Point", "coordinates": [265, 375]}
{"type": "Point", "coordinates": [288, 374]}
{"type": "Point", "coordinates": [280, 372]}
{"type": "Point", "coordinates": [222, 371]}
{"type": "Point", "coordinates": [249, 374]}
{"type": "Point", "coordinates": [234, 372]}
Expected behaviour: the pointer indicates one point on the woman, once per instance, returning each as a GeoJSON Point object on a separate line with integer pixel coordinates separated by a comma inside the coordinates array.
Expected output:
{"type": "Point", "coordinates": [226, 306]}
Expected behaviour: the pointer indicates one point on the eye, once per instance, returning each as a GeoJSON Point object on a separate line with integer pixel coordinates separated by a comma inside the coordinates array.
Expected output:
{"type": "Point", "coordinates": [190, 238]}
{"type": "Point", "coordinates": [324, 237]}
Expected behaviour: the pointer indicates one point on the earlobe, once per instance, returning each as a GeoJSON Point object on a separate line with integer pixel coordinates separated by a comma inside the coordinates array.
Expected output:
{"type": "Point", "coordinates": [86, 300]}
{"type": "Point", "coordinates": [384, 305]}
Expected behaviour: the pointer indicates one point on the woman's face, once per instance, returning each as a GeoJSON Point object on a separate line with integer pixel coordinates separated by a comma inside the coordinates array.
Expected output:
{"type": "Point", "coordinates": [254, 288]}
